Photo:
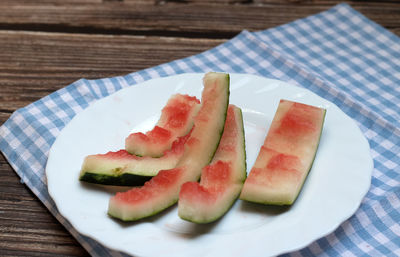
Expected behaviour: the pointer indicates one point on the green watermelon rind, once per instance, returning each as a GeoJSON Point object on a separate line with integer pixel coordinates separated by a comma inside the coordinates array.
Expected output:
{"type": "Point", "coordinates": [244, 150]}
{"type": "Point", "coordinates": [117, 173]}
{"type": "Point", "coordinates": [289, 203]}
{"type": "Point", "coordinates": [128, 170]}
{"type": "Point", "coordinates": [227, 204]}
{"type": "Point", "coordinates": [195, 220]}
{"type": "Point", "coordinates": [114, 212]}
{"type": "Point", "coordinates": [221, 131]}
{"type": "Point", "coordinates": [125, 179]}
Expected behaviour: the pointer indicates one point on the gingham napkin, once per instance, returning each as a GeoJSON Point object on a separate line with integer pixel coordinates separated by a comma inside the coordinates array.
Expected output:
{"type": "Point", "coordinates": [339, 54]}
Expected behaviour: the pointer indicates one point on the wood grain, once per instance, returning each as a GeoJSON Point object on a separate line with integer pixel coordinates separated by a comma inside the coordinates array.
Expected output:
{"type": "Point", "coordinates": [47, 44]}
{"type": "Point", "coordinates": [35, 64]}
{"type": "Point", "coordinates": [175, 18]}
{"type": "Point", "coordinates": [26, 227]}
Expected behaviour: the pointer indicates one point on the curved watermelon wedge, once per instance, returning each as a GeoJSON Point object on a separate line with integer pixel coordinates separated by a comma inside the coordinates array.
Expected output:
{"type": "Point", "coordinates": [176, 120]}
{"type": "Point", "coordinates": [222, 180]}
{"type": "Point", "coordinates": [162, 190]}
{"type": "Point", "coordinates": [287, 155]}
{"type": "Point", "coordinates": [124, 169]}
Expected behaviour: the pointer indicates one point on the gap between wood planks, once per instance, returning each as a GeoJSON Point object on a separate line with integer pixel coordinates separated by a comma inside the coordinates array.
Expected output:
{"type": "Point", "coordinates": [56, 28]}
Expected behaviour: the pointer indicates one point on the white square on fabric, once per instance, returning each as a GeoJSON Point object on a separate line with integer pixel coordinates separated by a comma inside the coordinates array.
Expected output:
{"type": "Point", "coordinates": [358, 76]}
{"type": "Point", "coordinates": [360, 92]}
{"type": "Point", "coordinates": [370, 71]}
{"type": "Point", "coordinates": [382, 38]}
{"type": "Point", "coordinates": [381, 238]}
{"type": "Point", "coordinates": [291, 30]}
{"type": "Point", "coordinates": [368, 29]}
{"type": "Point", "coordinates": [34, 110]}
{"type": "Point", "coordinates": [303, 40]}
{"type": "Point", "coordinates": [211, 57]}
{"type": "Point", "coordinates": [305, 26]}
{"type": "Point", "coordinates": [40, 142]}
{"type": "Point", "coordinates": [329, 31]}
{"type": "Point", "coordinates": [365, 247]}
{"type": "Point", "coordinates": [251, 54]}
{"type": "Point", "coordinates": [199, 63]}
{"type": "Point", "coordinates": [182, 65]}
{"type": "Point", "coordinates": [265, 63]}
{"type": "Point", "coordinates": [365, 221]}
{"type": "Point", "coordinates": [303, 54]}
{"type": "Point", "coordinates": [15, 142]}
{"type": "Point", "coordinates": [344, 81]}
{"type": "Point", "coordinates": [66, 97]}
{"type": "Point", "coordinates": [374, 101]}
{"type": "Point", "coordinates": [239, 61]}
{"type": "Point", "coordinates": [387, 144]}
{"type": "Point", "coordinates": [225, 51]}
{"type": "Point", "coordinates": [168, 69]}
{"type": "Point", "coordinates": [83, 90]}
{"type": "Point", "coordinates": [153, 74]}
{"type": "Point", "coordinates": [393, 183]}
{"type": "Point", "coordinates": [329, 72]}
{"type": "Point", "coordinates": [356, 20]}
{"type": "Point", "coordinates": [240, 45]}
{"type": "Point", "coordinates": [278, 73]}
{"type": "Point", "coordinates": [277, 34]}
{"type": "Point", "coordinates": [348, 253]}
{"type": "Point", "coordinates": [343, 26]}
{"type": "Point", "coordinates": [344, 41]}
{"type": "Point", "coordinates": [54, 131]}
{"type": "Point", "coordinates": [316, 62]}
{"type": "Point", "coordinates": [378, 191]}
{"type": "Point", "coordinates": [385, 81]}
{"type": "Point", "coordinates": [355, 50]}
{"type": "Point", "coordinates": [384, 65]}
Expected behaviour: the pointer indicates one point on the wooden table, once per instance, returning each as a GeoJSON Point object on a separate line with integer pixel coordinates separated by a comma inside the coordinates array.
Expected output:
{"type": "Point", "coordinates": [45, 45]}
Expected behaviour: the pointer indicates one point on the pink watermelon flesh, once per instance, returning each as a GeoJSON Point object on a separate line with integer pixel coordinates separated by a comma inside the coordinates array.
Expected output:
{"type": "Point", "coordinates": [287, 155]}
{"type": "Point", "coordinates": [162, 190]}
{"type": "Point", "coordinates": [112, 168]}
{"type": "Point", "coordinates": [144, 201]}
{"type": "Point", "coordinates": [176, 120]}
{"type": "Point", "coordinates": [222, 180]}
{"type": "Point", "coordinates": [215, 181]}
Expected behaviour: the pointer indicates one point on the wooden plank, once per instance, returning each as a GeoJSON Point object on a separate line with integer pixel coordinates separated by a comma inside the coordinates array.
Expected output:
{"type": "Point", "coordinates": [194, 19]}
{"type": "Point", "coordinates": [34, 64]}
{"type": "Point", "coordinates": [27, 228]}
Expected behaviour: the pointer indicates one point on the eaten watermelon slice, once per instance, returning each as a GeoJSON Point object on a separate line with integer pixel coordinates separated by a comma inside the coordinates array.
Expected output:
{"type": "Point", "coordinates": [124, 169]}
{"type": "Point", "coordinates": [287, 155]}
{"type": "Point", "coordinates": [222, 180]}
{"type": "Point", "coordinates": [176, 120]}
{"type": "Point", "coordinates": [162, 190]}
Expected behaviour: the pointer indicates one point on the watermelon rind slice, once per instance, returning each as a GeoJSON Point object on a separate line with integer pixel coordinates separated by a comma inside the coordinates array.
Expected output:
{"type": "Point", "coordinates": [124, 169]}
{"type": "Point", "coordinates": [222, 180]}
{"type": "Point", "coordinates": [162, 191]}
{"type": "Point", "coordinates": [286, 157]}
{"type": "Point", "coordinates": [176, 121]}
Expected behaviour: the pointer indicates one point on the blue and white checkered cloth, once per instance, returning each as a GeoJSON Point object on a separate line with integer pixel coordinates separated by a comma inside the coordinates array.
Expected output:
{"type": "Point", "coordinates": [338, 54]}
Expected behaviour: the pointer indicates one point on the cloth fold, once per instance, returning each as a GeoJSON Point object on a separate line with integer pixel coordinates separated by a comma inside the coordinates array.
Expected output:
{"type": "Point", "coordinates": [339, 54]}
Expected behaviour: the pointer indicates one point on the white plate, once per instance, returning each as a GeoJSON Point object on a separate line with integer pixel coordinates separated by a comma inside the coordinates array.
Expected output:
{"type": "Point", "coordinates": [338, 181]}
